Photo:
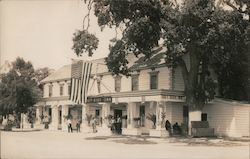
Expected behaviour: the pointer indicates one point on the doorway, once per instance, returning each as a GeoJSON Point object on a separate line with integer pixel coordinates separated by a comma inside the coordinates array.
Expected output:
{"type": "Point", "coordinates": [117, 113]}
{"type": "Point", "coordinates": [118, 121]}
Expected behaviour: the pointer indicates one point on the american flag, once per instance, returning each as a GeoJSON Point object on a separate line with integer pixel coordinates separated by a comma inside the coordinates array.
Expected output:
{"type": "Point", "coordinates": [80, 75]}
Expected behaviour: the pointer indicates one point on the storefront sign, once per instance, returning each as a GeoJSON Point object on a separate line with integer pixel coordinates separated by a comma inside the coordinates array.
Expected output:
{"type": "Point", "coordinates": [105, 99]}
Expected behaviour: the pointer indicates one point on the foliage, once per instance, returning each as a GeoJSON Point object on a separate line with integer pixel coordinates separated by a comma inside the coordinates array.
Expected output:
{"type": "Point", "coordinates": [31, 115]}
{"type": "Point", "coordinates": [42, 73]}
{"type": "Point", "coordinates": [18, 88]}
{"type": "Point", "coordinates": [84, 42]}
{"type": "Point", "coordinates": [152, 117]}
{"type": "Point", "coordinates": [198, 30]}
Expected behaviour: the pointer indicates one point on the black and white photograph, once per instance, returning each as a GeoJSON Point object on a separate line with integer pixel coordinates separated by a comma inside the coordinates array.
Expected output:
{"type": "Point", "coordinates": [124, 79]}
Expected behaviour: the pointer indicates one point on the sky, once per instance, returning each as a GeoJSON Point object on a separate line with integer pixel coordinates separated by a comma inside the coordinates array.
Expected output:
{"type": "Point", "coordinates": [41, 31]}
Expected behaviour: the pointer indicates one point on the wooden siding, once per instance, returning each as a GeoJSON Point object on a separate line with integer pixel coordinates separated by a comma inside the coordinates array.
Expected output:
{"type": "Point", "coordinates": [228, 118]}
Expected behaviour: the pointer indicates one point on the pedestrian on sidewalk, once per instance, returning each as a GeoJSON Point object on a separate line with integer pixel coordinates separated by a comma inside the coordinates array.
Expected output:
{"type": "Point", "coordinates": [93, 123]}
{"type": "Point", "coordinates": [78, 125]}
{"type": "Point", "coordinates": [69, 125]}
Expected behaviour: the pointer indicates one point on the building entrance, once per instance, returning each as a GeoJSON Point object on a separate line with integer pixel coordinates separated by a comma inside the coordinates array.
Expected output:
{"type": "Point", "coordinates": [118, 121]}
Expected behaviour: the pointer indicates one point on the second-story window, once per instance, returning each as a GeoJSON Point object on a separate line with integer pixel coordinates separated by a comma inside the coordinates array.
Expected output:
{"type": "Point", "coordinates": [135, 82]}
{"type": "Point", "coordinates": [118, 83]}
{"type": "Point", "coordinates": [154, 80]}
{"type": "Point", "coordinates": [50, 90]}
{"type": "Point", "coordinates": [61, 89]}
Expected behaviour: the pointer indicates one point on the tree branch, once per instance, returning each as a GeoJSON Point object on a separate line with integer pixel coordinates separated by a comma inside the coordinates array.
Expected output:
{"type": "Point", "coordinates": [87, 16]}
{"type": "Point", "coordinates": [227, 2]}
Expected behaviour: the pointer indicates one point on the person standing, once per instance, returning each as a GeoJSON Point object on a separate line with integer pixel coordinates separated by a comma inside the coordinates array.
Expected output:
{"type": "Point", "coordinates": [93, 123]}
{"type": "Point", "coordinates": [78, 125]}
{"type": "Point", "coordinates": [69, 125]}
{"type": "Point", "coordinates": [119, 125]}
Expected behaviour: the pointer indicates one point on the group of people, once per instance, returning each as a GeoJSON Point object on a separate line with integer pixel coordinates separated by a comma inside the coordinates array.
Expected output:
{"type": "Point", "coordinates": [78, 125]}
{"type": "Point", "coordinates": [116, 125]}
{"type": "Point", "coordinates": [176, 128]}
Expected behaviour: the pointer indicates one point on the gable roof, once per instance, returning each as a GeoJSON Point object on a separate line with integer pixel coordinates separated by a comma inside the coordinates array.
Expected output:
{"type": "Point", "coordinates": [158, 58]}
{"type": "Point", "coordinates": [64, 73]}
{"type": "Point", "coordinates": [99, 65]}
{"type": "Point", "coordinates": [60, 74]}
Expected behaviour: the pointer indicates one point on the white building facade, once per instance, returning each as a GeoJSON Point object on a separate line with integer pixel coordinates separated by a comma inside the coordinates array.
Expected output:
{"type": "Point", "coordinates": [152, 88]}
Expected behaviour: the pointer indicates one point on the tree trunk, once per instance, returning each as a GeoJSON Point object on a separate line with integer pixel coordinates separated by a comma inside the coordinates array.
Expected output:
{"type": "Point", "coordinates": [191, 83]}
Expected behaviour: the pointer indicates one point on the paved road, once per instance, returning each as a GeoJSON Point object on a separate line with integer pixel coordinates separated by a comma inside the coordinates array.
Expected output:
{"type": "Point", "coordinates": [45, 145]}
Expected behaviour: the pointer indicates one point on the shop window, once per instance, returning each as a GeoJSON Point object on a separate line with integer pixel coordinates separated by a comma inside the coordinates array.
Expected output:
{"type": "Point", "coordinates": [61, 89]}
{"type": "Point", "coordinates": [118, 83]}
{"type": "Point", "coordinates": [50, 90]}
{"type": "Point", "coordinates": [154, 80]}
{"type": "Point", "coordinates": [135, 82]}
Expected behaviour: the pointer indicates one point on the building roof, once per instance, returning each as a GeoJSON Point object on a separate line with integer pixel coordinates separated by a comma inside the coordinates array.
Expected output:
{"type": "Point", "coordinates": [157, 59]}
{"type": "Point", "coordinates": [99, 66]}
{"type": "Point", "coordinates": [64, 72]}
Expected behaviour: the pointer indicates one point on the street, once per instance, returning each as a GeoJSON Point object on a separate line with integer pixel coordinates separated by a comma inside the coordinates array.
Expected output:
{"type": "Point", "coordinates": [49, 144]}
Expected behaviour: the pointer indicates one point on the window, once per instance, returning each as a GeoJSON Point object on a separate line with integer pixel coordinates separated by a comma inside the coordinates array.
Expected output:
{"type": "Point", "coordinates": [135, 82]}
{"type": "Point", "coordinates": [61, 89]}
{"type": "Point", "coordinates": [50, 90]}
{"type": "Point", "coordinates": [204, 117]}
{"type": "Point", "coordinates": [118, 83]}
{"type": "Point", "coordinates": [154, 80]}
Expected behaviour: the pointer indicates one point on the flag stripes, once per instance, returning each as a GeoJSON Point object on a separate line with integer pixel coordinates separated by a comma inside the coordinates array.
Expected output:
{"type": "Point", "coordinates": [80, 76]}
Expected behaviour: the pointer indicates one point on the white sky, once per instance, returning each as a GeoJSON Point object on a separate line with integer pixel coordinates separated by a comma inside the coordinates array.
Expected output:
{"type": "Point", "coordinates": [41, 31]}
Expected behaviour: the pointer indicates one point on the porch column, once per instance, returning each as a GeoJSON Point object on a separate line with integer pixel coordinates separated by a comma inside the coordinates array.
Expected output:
{"type": "Point", "coordinates": [84, 124]}
{"type": "Point", "coordinates": [159, 112]}
{"type": "Point", "coordinates": [65, 112]}
{"type": "Point", "coordinates": [160, 131]}
{"type": "Point", "coordinates": [39, 111]}
{"type": "Point", "coordinates": [38, 114]}
{"type": "Point", "coordinates": [104, 129]}
{"type": "Point", "coordinates": [131, 114]}
{"type": "Point", "coordinates": [105, 114]}
{"type": "Point", "coordinates": [55, 122]}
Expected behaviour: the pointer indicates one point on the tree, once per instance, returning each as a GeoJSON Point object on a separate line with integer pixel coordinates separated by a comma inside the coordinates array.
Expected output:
{"type": "Point", "coordinates": [198, 29]}
{"type": "Point", "coordinates": [18, 89]}
{"type": "Point", "coordinates": [234, 76]}
{"type": "Point", "coordinates": [42, 73]}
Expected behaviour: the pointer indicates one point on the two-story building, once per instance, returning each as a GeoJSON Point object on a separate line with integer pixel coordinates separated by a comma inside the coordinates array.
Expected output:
{"type": "Point", "coordinates": [152, 89]}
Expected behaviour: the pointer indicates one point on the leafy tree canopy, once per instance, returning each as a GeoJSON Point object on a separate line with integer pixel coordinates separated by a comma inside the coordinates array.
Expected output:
{"type": "Point", "coordinates": [18, 88]}
{"type": "Point", "coordinates": [200, 29]}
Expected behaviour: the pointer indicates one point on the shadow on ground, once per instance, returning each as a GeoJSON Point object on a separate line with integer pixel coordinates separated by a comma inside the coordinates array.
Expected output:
{"type": "Point", "coordinates": [220, 142]}
{"type": "Point", "coordinates": [124, 139]}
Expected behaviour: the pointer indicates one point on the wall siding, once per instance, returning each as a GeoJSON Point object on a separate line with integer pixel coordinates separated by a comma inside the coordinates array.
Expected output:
{"type": "Point", "coordinates": [178, 79]}
{"type": "Point", "coordinates": [177, 113]}
{"type": "Point", "coordinates": [228, 119]}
